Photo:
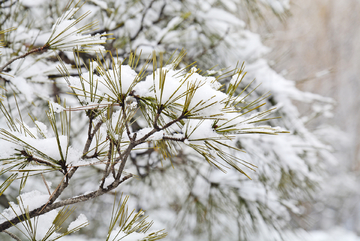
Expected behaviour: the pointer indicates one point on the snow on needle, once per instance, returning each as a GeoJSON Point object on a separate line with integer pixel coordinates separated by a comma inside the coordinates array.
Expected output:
{"type": "Point", "coordinates": [66, 36]}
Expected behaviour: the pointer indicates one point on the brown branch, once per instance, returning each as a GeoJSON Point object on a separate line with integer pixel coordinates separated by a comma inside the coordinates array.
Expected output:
{"type": "Point", "coordinates": [63, 185]}
{"type": "Point", "coordinates": [122, 105]}
{"type": "Point", "coordinates": [30, 158]}
{"type": "Point", "coordinates": [91, 134]}
{"type": "Point", "coordinates": [124, 158]}
{"type": "Point", "coordinates": [170, 138]}
{"type": "Point", "coordinates": [68, 175]}
{"type": "Point", "coordinates": [134, 142]}
{"type": "Point", "coordinates": [155, 124]}
{"type": "Point", "coordinates": [116, 161]}
{"type": "Point", "coordinates": [142, 139]}
{"type": "Point", "coordinates": [40, 49]}
{"type": "Point", "coordinates": [47, 208]}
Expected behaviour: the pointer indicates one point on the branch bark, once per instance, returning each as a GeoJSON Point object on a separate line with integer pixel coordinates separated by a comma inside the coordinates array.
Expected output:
{"type": "Point", "coordinates": [47, 208]}
{"type": "Point", "coordinates": [40, 49]}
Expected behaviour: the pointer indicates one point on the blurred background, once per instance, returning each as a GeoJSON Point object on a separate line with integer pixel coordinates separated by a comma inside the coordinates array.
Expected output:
{"type": "Point", "coordinates": [318, 46]}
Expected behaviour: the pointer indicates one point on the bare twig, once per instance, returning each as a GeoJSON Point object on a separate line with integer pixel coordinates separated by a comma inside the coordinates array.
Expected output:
{"type": "Point", "coordinates": [47, 187]}
{"type": "Point", "coordinates": [126, 123]}
{"type": "Point", "coordinates": [64, 184]}
{"type": "Point", "coordinates": [40, 49]}
{"type": "Point", "coordinates": [91, 134]}
{"type": "Point", "coordinates": [124, 158]}
{"type": "Point", "coordinates": [56, 192]}
{"type": "Point", "coordinates": [142, 139]}
{"type": "Point", "coordinates": [47, 208]}
{"type": "Point", "coordinates": [30, 158]}
{"type": "Point", "coordinates": [170, 138]}
{"type": "Point", "coordinates": [134, 143]}
{"type": "Point", "coordinates": [155, 124]}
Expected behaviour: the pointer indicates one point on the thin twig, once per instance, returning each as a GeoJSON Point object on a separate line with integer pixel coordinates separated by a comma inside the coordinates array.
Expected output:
{"type": "Point", "coordinates": [125, 156]}
{"type": "Point", "coordinates": [142, 139]}
{"type": "Point", "coordinates": [56, 191]}
{"type": "Point", "coordinates": [106, 171]}
{"type": "Point", "coordinates": [134, 143]}
{"type": "Point", "coordinates": [155, 124]}
{"type": "Point", "coordinates": [47, 187]}
{"type": "Point", "coordinates": [91, 135]}
{"type": "Point", "coordinates": [43, 48]}
{"type": "Point", "coordinates": [30, 158]}
{"type": "Point", "coordinates": [61, 187]}
{"type": "Point", "coordinates": [170, 138]}
{"type": "Point", "coordinates": [126, 123]}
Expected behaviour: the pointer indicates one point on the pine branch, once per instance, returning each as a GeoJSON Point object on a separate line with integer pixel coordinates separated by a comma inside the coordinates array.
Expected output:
{"type": "Point", "coordinates": [49, 207]}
